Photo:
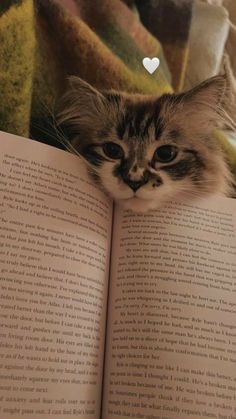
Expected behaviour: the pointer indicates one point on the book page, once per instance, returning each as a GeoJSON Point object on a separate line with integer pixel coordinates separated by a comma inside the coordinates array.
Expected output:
{"type": "Point", "coordinates": [171, 348]}
{"type": "Point", "coordinates": [55, 229]}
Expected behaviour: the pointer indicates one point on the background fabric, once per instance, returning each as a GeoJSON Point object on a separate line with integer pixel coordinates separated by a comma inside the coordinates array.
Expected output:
{"type": "Point", "coordinates": [230, 45]}
{"type": "Point", "coordinates": [230, 6]}
{"type": "Point", "coordinates": [208, 35]}
{"type": "Point", "coordinates": [102, 41]}
{"type": "Point", "coordinates": [17, 56]}
{"type": "Point", "coordinates": [170, 22]}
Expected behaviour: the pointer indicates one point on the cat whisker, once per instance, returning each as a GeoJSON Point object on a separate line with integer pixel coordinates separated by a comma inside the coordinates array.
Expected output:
{"type": "Point", "coordinates": [44, 131]}
{"type": "Point", "coordinates": [55, 137]}
{"type": "Point", "coordinates": [61, 139]}
{"type": "Point", "coordinates": [202, 194]}
{"type": "Point", "coordinates": [204, 182]}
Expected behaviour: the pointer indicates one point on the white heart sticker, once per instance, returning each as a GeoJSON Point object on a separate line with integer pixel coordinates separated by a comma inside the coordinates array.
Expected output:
{"type": "Point", "coordinates": [151, 64]}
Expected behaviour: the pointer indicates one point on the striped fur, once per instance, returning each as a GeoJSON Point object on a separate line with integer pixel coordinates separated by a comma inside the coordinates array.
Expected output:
{"type": "Point", "coordinates": [140, 125]}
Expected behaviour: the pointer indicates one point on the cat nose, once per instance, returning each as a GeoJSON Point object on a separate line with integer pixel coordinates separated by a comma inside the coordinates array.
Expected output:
{"type": "Point", "coordinates": [136, 184]}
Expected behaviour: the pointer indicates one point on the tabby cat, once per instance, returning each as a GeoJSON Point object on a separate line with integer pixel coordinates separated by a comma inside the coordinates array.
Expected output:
{"type": "Point", "coordinates": [145, 150]}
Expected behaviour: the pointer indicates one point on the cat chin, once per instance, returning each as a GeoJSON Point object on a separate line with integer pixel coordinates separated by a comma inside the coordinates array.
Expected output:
{"type": "Point", "coordinates": [138, 205]}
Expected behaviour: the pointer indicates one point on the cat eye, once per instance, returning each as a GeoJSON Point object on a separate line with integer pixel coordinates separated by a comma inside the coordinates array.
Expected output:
{"type": "Point", "coordinates": [113, 150]}
{"type": "Point", "coordinates": [165, 153]}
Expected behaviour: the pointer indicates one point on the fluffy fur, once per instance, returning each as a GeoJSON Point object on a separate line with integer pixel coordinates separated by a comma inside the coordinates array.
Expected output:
{"type": "Point", "coordinates": [140, 126]}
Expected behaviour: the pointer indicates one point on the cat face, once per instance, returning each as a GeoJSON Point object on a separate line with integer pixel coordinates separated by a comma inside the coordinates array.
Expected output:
{"type": "Point", "coordinates": [144, 150]}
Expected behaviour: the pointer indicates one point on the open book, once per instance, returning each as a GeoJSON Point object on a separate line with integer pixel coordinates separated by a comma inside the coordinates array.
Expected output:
{"type": "Point", "coordinates": [104, 313]}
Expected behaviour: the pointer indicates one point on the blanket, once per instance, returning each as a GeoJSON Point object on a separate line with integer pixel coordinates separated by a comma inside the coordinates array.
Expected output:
{"type": "Point", "coordinates": [211, 41]}
{"type": "Point", "coordinates": [42, 42]}
{"type": "Point", "coordinates": [102, 41]}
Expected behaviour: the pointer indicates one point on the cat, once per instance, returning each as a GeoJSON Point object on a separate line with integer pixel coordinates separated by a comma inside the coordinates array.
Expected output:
{"type": "Point", "coordinates": [144, 150]}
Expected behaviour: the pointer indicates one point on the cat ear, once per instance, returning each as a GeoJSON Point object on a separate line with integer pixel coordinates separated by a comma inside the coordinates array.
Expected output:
{"type": "Point", "coordinates": [210, 92]}
{"type": "Point", "coordinates": [81, 107]}
{"type": "Point", "coordinates": [201, 108]}
{"type": "Point", "coordinates": [86, 93]}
